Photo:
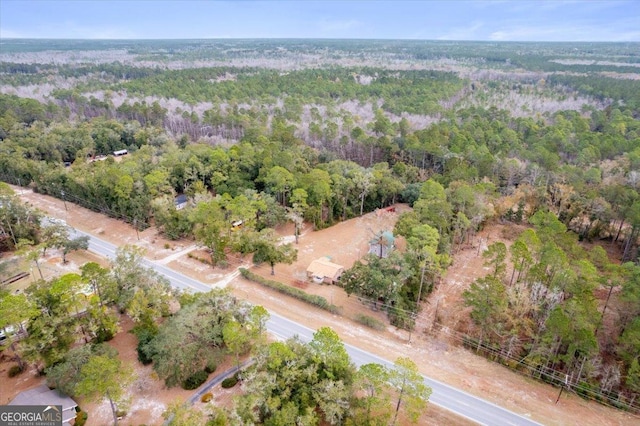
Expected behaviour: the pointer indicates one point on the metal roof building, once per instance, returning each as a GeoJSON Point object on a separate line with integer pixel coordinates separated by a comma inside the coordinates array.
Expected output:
{"type": "Point", "coordinates": [42, 395]}
{"type": "Point", "coordinates": [323, 270]}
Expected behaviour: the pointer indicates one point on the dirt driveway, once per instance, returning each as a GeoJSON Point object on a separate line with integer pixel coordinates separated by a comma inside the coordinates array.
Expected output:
{"type": "Point", "coordinates": [344, 243]}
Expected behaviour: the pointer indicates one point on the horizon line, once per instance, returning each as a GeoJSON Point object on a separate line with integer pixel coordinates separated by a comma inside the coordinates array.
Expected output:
{"type": "Point", "coordinates": [311, 38]}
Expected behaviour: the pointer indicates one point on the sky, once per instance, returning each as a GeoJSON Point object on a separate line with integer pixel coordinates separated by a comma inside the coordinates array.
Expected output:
{"type": "Point", "coordinates": [492, 20]}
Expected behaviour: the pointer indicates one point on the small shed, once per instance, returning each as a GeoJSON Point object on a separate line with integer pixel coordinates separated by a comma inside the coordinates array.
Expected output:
{"type": "Point", "coordinates": [323, 270]}
{"type": "Point", "coordinates": [180, 201]}
{"type": "Point", "coordinates": [42, 395]}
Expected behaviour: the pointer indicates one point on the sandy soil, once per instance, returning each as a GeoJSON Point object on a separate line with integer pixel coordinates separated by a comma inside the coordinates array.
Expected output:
{"type": "Point", "coordinates": [436, 355]}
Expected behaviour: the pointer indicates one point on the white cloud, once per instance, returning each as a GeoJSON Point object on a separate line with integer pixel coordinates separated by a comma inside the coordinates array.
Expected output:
{"type": "Point", "coordinates": [70, 29]}
{"type": "Point", "coordinates": [499, 36]}
{"type": "Point", "coordinates": [556, 4]}
{"type": "Point", "coordinates": [626, 36]}
{"type": "Point", "coordinates": [73, 30]}
{"type": "Point", "coordinates": [113, 33]}
{"type": "Point", "coordinates": [462, 33]}
{"type": "Point", "coordinates": [8, 33]}
{"type": "Point", "coordinates": [564, 33]}
{"type": "Point", "coordinates": [338, 26]}
{"type": "Point", "coordinates": [591, 6]}
{"type": "Point", "coordinates": [533, 33]}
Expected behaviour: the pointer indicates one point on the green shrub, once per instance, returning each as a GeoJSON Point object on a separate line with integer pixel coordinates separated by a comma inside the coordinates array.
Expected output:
{"type": "Point", "coordinates": [312, 299]}
{"type": "Point", "coordinates": [370, 322]}
{"type": "Point", "coordinates": [145, 332]}
{"type": "Point", "coordinates": [143, 355]}
{"type": "Point", "coordinates": [144, 335]}
{"type": "Point", "coordinates": [81, 418]}
{"type": "Point", "coordinates": [104, 335]}
{"type": "Point", "coordinates": [195, 380]}
{"type": "Point", "coordinates": [210, 367]}
{"type": "Point", "coordinates": [229, 382]}
{"type": "Point", "coordinates": [206, 397]}
{"type": "Point", "coordinates": [15, 370]}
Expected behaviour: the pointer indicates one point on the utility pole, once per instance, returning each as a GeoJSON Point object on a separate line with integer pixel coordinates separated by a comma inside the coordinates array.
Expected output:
{"type": "Point", "coordinates": [566, 379]}
{"type": "Point", "coordinates": [561, 389]}
{"type": "Point", "coordinates": [135, 226]}
{"type": "Point", "coordinates": [64, 201]}
{"type": "Point", "coordinates": [411, 328]}
{"type": "Point", "coordinates": [424, 266]}
{"type": "Point", "coordinates": [606, 304]}
{"type": "Point", "coordinates": [435, 315]}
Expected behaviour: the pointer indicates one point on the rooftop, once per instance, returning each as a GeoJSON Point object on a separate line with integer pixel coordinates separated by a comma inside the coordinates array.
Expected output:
{"type": "Point", "coordinates": [42, 395]}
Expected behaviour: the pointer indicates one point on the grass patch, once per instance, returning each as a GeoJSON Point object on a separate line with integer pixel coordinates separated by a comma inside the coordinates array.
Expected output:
{"type": "Point", "coordinates": [370, 322]}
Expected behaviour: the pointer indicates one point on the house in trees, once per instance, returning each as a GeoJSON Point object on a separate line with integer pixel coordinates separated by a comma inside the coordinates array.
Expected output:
{"type": "Point", "coordinates": [180, 201]}
{"type": "Point", "coordinates": [323, 270]}
{"type": "Point", "coordinates": [382, 244]}
{"type": "Point", "coordinates": [46, 398]}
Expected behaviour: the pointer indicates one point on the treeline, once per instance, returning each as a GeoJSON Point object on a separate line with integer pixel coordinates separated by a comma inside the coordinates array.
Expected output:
{"type": "Point", "coordinates": [18, 222]}
{"type": "Point", "coordinates": [559, 160]}
{"type": "Point", "coordinates": [534, 56]}
{"type": "Point", "coordinates": [17, 68]}
{"type": "Point", "coordinates": [403, 91]}
{"type": "Point", "coordinates": [536, 311]}
{"type": "Point", "coordinates": [622, 90]}
{"type": "Point", "coordinates": [15, 110]}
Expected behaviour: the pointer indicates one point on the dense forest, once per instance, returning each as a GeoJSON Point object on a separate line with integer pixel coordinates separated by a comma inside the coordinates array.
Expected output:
{"type": "Point", "coordinates": [264, 132]}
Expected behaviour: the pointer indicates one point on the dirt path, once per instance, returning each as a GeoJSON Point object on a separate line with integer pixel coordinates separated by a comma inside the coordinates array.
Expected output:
{"type": "Point", "coordinates": [345, 243]}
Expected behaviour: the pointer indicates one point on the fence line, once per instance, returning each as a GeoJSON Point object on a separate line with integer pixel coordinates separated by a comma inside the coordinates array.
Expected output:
{"type": "Point", "coordinates": [548, 375]}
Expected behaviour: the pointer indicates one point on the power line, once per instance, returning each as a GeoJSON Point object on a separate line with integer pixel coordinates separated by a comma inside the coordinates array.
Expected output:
{"type": "Point", "coordinates": [551, 376]}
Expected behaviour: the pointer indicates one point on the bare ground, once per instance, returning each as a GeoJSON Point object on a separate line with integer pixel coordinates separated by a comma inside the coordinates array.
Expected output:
{"type": "Point", "coordinates": [436, 355]}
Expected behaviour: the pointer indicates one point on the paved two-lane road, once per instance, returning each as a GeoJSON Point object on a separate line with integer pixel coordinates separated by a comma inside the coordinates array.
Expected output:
{"type": "Point", "coordinates": [455, 400]}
